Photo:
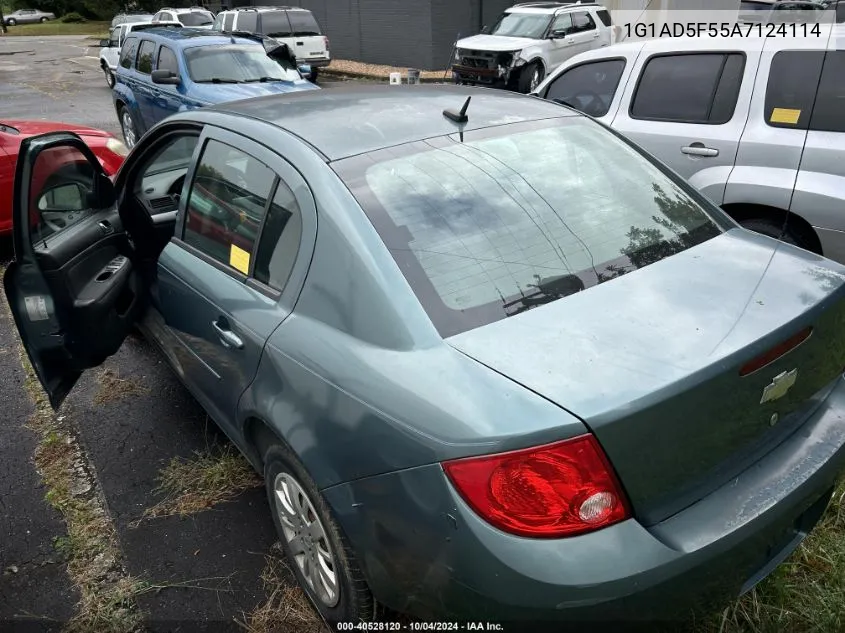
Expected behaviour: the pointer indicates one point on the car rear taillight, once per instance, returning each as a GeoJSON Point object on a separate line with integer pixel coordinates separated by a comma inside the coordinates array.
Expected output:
{"type": "Point", "coordinates": [776, 352]}
{"type": "Point", "coordinates": [556, 490]}
{"type": "Point", "coordinates": [326, 42]}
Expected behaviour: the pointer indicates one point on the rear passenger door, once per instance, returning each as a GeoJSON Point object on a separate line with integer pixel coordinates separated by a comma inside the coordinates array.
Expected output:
{"type": "Point", "coordinates": [771, 146]}
{"type": "Point", "coordinates": [820, 186]}
{"type": "Point", "coordinates": [234, 270]}
{"type": "Point", "coordinates": [144, 93]}
{"type": "Point", "coordinates": [689, 110]}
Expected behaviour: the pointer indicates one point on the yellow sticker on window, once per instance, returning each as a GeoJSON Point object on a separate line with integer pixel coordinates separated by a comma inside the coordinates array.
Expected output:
{"type": "Point", "coordinates": [785, 115]}
{"type": "Point", "coordinates": [239, 259]}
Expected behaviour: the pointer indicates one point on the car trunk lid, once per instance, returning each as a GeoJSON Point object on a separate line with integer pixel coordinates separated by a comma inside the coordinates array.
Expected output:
{"type": "Point", "coordinates": [651, 361]}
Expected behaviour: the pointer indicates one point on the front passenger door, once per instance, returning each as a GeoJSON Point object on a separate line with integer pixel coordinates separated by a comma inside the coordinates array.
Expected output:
{"type": "Point", "coordinates": [219, 283]}
{"type": "Point", "coordinates": [73, 289]}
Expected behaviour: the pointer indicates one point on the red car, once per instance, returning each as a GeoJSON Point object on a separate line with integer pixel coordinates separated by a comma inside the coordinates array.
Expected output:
{"type": "Point", "coordinates": [109, 150]}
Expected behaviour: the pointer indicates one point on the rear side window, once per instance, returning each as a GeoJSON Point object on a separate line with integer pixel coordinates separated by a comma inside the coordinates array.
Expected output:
{"type": "Point", "coordinates": [280, 239]}
{"type": "Point", "coordinates": [492, 223]}
{"type": "Point", "coordinates": [840, 12]}
{"type": "Point", "coordinates": [582, 22]}
{"type": "Point", "coordinates": [248, 21]}
{"type": "Point", "coordinates": [696, 88]}
{"type": "Point", "coordinates": [227, 22]}
{"type": "Point", "coordinates": [275, 24]}
{"type": "Point", "coordinates": [128, 51]}
{"type": "Point", "coordinates": [791, 89]}
{"type": "Point", "coordinates": [303, 24]}
{"type": "Point", "coordinates": [588, 87]}
{"type": "Point", "coordinates": [829, 111]}
{"type": "Point", "coordinates": [145, 57]}
{"type": "Point", "coordinates": [604, 16]}
{"type": "Point", "coordinates": [226, 205]}
{"type": "Point", "coordinates": [114, 38]}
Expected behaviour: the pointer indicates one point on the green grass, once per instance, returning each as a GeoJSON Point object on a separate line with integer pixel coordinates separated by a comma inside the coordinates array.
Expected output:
{"type": "Point", "coordinates": [98, 30]}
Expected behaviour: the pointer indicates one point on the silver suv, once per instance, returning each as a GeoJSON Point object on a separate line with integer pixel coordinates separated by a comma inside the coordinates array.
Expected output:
{"type": "Point", "coordinates": [530, 40]}
{"type": "Point", "coordinates": [758, 125]}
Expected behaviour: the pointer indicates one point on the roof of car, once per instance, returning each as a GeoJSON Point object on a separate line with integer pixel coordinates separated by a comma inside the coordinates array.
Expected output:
{"type": "Point", "coordinates": [187, 37]}
{"type": "Point", "coordinates": [549, 7]}
{"type": "Point", "coordinates": [352, 120]}
{"type": "Point", "coordinates": [262, 9]}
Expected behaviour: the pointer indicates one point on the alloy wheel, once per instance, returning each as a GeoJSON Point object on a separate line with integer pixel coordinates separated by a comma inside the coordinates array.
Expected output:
{"type": "Point", "coordinates": [128, 128]}
{"type": "Point", "coordinates": [307, 539]}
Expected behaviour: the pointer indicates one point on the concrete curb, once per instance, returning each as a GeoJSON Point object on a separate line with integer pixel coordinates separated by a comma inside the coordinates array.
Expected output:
{"type": "Point", "coordinates": [326, 72]}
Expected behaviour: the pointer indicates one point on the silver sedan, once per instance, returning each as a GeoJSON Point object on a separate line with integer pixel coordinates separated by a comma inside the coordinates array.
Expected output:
{"type": "Point", "coordinates": [28, 16]}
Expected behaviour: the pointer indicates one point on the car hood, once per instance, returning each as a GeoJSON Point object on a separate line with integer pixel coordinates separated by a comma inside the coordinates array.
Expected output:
{"type": "Point", "coordinates": [34, 128]}
{"type": "Point", "coordinates": [221, 93]}
{"type": "Point", "coordinates": [495, 43]}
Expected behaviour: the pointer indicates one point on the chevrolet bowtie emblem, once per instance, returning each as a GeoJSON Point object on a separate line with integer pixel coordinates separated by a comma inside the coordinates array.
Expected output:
{"type": "Point", "coordinates": [780, 386]}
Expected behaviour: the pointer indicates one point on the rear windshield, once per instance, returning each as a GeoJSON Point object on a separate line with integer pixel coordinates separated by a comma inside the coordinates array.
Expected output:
{"type": "Point", "coordinates": [195, 18]}
{"type": "Point", "coordinates": [517, 216]}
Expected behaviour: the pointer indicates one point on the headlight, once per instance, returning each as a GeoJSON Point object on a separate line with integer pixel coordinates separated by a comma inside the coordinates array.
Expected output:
{"type": "Point", "coordinates": [117, 147]}
{"type": "Point", "coordinates": [517, 59]}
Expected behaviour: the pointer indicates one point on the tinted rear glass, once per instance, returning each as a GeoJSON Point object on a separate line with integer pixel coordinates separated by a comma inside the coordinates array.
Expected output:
{"type": "Point", "coordinates": [195, 18]}
{"type": "Point", "coordinates": [829, 112]}
{"type": "Point", "coordinates": [521, 215]}
{"type": "Point", "coordinates": [275, 24]}
{"type": "Point", "coordinates": [604, 16]}
{"type": "Point", "coordinates": [303, 23]}
{"type": "Point", "coordinates": [791, 89]}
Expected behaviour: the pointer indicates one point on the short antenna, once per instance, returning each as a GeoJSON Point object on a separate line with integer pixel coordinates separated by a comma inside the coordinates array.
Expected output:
{"type": "Point", "coordinates": [458, 117]}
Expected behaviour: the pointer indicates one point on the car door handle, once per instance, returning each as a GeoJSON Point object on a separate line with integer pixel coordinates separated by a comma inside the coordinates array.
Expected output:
{"type": "Point", "coordinates": [595, 35]}
{"type": "Point", "coordinates": [698, 149]}
{"type": "Point", "coordinates": [227, 337]}
{"type": "Point", "coordinates": [161, 102]}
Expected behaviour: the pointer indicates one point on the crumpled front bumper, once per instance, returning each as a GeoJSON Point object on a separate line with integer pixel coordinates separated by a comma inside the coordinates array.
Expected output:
{"type": "Point", "coordinates": [500, 76]}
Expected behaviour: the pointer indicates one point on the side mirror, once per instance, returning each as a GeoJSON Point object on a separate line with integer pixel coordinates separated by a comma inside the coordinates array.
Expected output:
{"type": "Point", "coordinates": [485, 30]}
{"type": "Point", "coordinates": [164, 76]}
{"type": "Point", "coordinates": [105, 43]}
{"type": "Point", "coordinates": [304, 70]}
{"type": "Point", "coordinates": [557, 35]}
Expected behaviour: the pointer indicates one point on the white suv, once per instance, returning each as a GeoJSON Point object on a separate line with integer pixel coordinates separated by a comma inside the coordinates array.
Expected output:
{"type": "Point", "coordinates": [293, 26]}
{"type": "Point", "coordinates": [530, 40]}
{"type": "Point", "coordinates": [110, 48]}
{"type": "Point", "coordinates": [195, 17]}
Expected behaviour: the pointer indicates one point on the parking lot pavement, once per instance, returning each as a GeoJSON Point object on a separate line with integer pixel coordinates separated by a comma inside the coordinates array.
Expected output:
{"type": "Point", "coordinates": [58, 78]}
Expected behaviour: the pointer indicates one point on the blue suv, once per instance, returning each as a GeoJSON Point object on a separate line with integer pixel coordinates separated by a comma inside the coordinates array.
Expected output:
{"type": "Point", "coordinates": [165, 70]}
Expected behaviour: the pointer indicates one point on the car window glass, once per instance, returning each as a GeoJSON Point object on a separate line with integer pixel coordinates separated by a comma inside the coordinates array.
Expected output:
{"type": "Point", "coordinates": [114, 38]}
{"type": "Point", "coordinates": [682, 87]}
{"type": "Point", "coordinates": [562, 22]}
{"type": "Point", "coordinates": [248, 21]}
{"type": "Point", "coordinates": [791, 89]}
{"type": "Point", "coordinates": [218, 22]}
{"type": "Point", "coordinates": [840, 12]}
{"type": "Point", "coordinates": [303, 24]}
{"type": "Point", "coordinates": [829, 111]}
{"type": "Point", "coordinates": [486, 225]}
{"type": "Point", "coordinates": [529, 25]}
{"type": "Point", "coordinates": [582, 22]}
{"type": "Point", "coordinates": [59, 197]}
{"type": "Point", "coordinates": [275, 24]}
{"type": "Point", "coordinates": [280, 239]}
{"type": "Point", "coordinates": [145, 57]}
{"type": "Point", "coordinates": [588, 87]}
{"type": "Point", "coordinates": [164, 173]}
{"type": "Point", "coordinates": [195, 18]}
{"type": "Point", "coordinates": [167, 60]}
{"type": "Point", "coordinates": [127, 52]}
{"type": "Point", "coordinates": [604, 16]}
{"type": "Point", "coordinates": [228, 196]}
{"type": "Point", "coordinates": [727, 93]}
{"type": "Point", "coordinates": [235, 63]}
{"type": "Point", "coordinates": [227, 22]}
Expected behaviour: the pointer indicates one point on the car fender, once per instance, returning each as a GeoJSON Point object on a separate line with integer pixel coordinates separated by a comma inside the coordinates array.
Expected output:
{"type": "Point", "coordinates": [765, 186]}
{"type": "Point", "coordinates": [533, 54]}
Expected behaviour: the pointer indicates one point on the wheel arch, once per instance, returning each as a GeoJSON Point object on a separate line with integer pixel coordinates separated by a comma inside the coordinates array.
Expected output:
{"type": "Point", "coordinates": [740, 211]}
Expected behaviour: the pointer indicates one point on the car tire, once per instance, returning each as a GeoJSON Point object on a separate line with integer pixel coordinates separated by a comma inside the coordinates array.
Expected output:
{"type": "Point", "coordinates": [127, 126]}
{"type": "Point", "coordinates": [110, 80]}
{"type": "Point", "coordinates": [294, 501]}
{"type": "Point", "coordinates": [313, 76]}
{"type": "Point", "coordinates": [11, 22]}
{"type": "Point", "coordinates": [43, 20]}
{"type": "Point", "coordinates": [530, 77]}
{"type": "Point", "coordinates": [774, 228]}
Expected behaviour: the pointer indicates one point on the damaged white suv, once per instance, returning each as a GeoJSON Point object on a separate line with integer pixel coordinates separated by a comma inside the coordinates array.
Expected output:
{"type": "Point", "coordinates": [530, 40]}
